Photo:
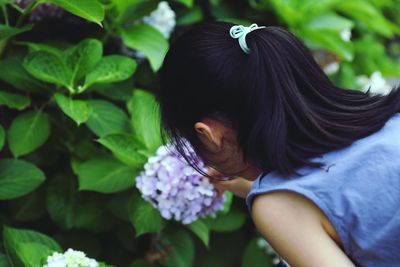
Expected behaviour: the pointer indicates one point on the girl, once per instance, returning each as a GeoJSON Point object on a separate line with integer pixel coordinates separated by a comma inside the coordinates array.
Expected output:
{"type": "Point", "coordinates": [322, 163]}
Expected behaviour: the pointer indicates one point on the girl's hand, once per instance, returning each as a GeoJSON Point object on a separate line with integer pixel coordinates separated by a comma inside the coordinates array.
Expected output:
{"type": "Point", "coordinates": [239, 187]}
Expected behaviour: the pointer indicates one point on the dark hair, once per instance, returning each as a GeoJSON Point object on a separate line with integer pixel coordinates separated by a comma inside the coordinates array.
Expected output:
{"type": "Point", "coordinates": [283, 107]}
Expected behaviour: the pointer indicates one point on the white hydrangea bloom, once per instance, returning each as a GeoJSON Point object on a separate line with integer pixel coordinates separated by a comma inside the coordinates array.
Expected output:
{"type": "Point", "coordinates": [71, 258]}
{"type": "Point", "coordinates": [346, 35]}
{"type": "Point", "coordinates": [163, 19]}
{"type": "Point", "coordinates": [331, 68]}
{"type": "Point", "coordinates": [376, 83]}
{"type": "Point", "coordinates": [56, 260]}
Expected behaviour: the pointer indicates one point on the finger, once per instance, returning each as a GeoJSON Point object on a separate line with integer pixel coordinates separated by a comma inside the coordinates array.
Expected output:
{"type": "Point", "coordinates": [217, 176]}
{"type": "Point", "coordinates": [221, 185]}
{"type": "Point", "coordinates": [220, 192]}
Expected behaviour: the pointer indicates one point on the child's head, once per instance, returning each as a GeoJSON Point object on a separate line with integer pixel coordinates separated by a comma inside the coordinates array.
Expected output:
{"type": "Point", "coordinates": [271, 109]}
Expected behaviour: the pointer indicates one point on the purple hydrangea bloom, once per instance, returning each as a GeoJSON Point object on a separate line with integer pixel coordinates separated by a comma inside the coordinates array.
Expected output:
{"type": "Point", "coordinates": [177, 190]}
{"type": "Point", "coordinates": [41, 11]}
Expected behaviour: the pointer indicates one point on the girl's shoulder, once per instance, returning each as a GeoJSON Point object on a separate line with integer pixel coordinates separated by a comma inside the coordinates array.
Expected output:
{"type": "Point", "coordinates": [366, 156]}
{"type": "Point", "coordinates": [369, 161]}
{"type": "Point", "coordinates": [358, 190]}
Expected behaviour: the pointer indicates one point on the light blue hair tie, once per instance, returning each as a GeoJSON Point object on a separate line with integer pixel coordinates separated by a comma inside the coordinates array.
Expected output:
{"type": "Point", "coordinates": [240, 31]}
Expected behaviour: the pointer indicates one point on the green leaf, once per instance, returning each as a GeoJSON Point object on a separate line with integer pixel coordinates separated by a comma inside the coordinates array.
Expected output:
{"type": "Point", "coordinates": [145, 128]}
{"type": "Point", "coordinates": [119, 204]}
{"type": "Point", "coordinates": [61, 198]}
{"type": "Point", "coordinates": [140, 263]}
{"type": "Point", "coordinates": [71, 209]}
{"type": "Point", "coordinates": [225, 250]}
{"type": "Point", "coordinates": [144, 217]}
{"type": "Point", "coordinates": [330, 21]}
{"type": "Point", "coordinates": [107, 118]}
{"type": "Point", "coordinates": [18, 178]}
{"type": "Point", "coordinates": [83, 57]}
{"type": "Point", "coordinates": [13, 237]}
{"type": "Point", "coordinates": [328, 39]}
{"type": "Point", "coordinates": [46, 47]}
{"type": "Point", "coordinates": [15, 101]}
{"type": "Point", "coordinates": [148, 40]}
{"type": "Point", "coordinates": [227, 222]}
{"type": "Point", "coordinates": [78, 110]}
{"type": "Point", "coordinates": [119, 91]}
{"type": "Point", "coordinates": [201, 230]}
{"type": "Point", "coordinates": [92, 216]}
{"type": "Point", "coordinates": [287, 10]}
{"type": "Point", "coordinates": [371, 55]}
{"type": "Point", "coordinates": [2, 137]}
{"type": "Point", "coordinates": [28, 208]}
{"type": "Point", "coordinates": [4, 261]}
{"type": "Point", "coordinates": [27, 132]}
{"type": "Point", "coordinates": [133, 10]}
{"type": "Point", "coordinates": [191, 16]}
{"type": "Point", "coordinates": [254, 256]}
{"type": "Point", "coordinates": [8, 31]}
{"type": "Point", "coordinates": [48, 67]}
{"type": "Point", "coordinates": [85, 149]}
{"type": "Point", "coordinates": [105, 175]}
{"type": "Point", "coordinates": [188, 3]}
{"type": "Point", "coordinates": [347, 76]}
{"type": "Point", "coordinates": [367, 14]}
{"type": "Point", "coordinates": [110, 69]}
{"type": "Point", "coordinates": [122, 5]}
{"type": "Point", "coordinates": [255, 4]}
{"type": "Point", "coordinates": [125, 148]}
{"type": "Point", "coordinates": [12, 72]}
{"type": "Point", "coordinates": [91, 10]}
{"type": "Point", "coordinates": [2, 3]}
{"type": "Point", "coordinates": [33, 254]}
{"type": "Point", "coordinates": [182, 254]}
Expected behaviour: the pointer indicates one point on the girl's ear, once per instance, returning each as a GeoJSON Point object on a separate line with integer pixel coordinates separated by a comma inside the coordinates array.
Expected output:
{"type": "Point", "coordinates": [209, 134]}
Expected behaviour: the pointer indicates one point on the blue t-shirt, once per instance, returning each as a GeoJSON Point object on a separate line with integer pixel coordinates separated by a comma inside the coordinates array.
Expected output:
{"type": "Point", "coordinates": [359, 192]}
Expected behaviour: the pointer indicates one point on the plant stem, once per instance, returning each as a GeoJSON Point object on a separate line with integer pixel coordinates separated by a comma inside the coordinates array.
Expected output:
{"type": "Point", "coordinates": [26, 12]}
{"type": "Point", "coordinates": [20, 20]}
{"type": "Point", "coordinates": [3, 43]}
{"type": "Point", "coordinates": [109, 26]}
{"type": "Point", "coordinates": [5, 14]}
{"type": "Point", "coordinates": [109, 32]}
{"type": "Point", "coordinates": [15, 6]}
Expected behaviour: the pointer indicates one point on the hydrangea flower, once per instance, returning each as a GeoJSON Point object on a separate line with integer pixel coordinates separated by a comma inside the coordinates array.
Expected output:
{"type": "Point", "coordinates": [163, 19]}
{"type": "Point", "coordinates": [177, 190]}
{"type": "Point", "coordinates": [41, 11]}
{"type": "Point", "coordinates": [376, 84]}
{"type": "Point", "coordinates": [70, 258]}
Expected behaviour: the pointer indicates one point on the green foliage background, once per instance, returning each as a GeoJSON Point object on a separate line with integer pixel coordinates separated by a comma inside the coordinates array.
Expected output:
{"type": "Point", "coordinates": [78, 120]}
